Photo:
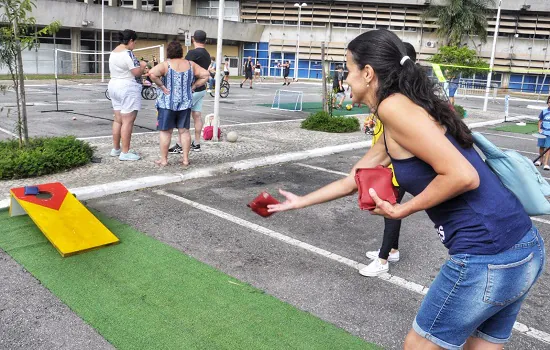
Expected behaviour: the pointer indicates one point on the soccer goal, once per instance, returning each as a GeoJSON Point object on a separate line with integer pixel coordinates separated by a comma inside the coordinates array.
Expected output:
{"type": "Point", "coordinates": [287, 100]}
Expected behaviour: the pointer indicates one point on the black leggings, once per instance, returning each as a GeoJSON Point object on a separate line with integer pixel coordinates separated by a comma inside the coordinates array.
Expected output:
{"type": "Point", "coordinates": [391, 232]}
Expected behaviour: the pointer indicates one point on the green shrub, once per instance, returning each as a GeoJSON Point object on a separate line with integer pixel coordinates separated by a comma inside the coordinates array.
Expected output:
{"type": "Point", "coordinates": [322, 121]}
{"type": "Point", "coordinates": [42, 156]}
{"type": "Point", "coordinates": [460, 111]}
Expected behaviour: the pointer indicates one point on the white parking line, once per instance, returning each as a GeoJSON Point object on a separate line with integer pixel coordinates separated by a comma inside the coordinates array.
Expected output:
{"type": "Point", "coordinates": [295, 242]}
{"type": "Point", "coordinates": [510, 136]}
{"type": "Point", "coordinates": [517, 150]}
{"type": "Point", "coordinates": [321, 169]}
{"type": "Point", "coordinates": [8, 132]}
{"type": "Point", "coordinates": [540, 220]}
{"type": "Point", "coordinates": [398, 281]}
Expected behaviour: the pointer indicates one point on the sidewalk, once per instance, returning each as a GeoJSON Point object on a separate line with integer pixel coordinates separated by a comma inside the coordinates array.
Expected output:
{"type": "Point", "coordinates": [255, 141]}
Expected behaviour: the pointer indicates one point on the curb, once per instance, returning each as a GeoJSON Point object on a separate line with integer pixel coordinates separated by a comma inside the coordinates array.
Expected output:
{"type": "Point", "coordinates": [98, 191]}
{"type": "Point", "coordinates": [499, 121]}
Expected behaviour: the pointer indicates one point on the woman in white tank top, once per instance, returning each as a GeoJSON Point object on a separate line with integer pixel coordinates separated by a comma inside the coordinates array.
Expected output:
{"type": "Point", "coordinates": [125, 92]}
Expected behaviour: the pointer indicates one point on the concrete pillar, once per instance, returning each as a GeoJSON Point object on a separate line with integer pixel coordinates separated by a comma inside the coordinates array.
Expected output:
{"type": "Point", "coordinates": [177, 6]}
{"type": "Point", "coordinates": [162, 5]}
{"type": "Point", "coordinates": [137, 5]}
{"type": "Point", "coordinates": [181, 7]}
{"type": "Point", "coordinates": [505, 80]}
{"type": "Point", "coordinates": [112, 2]}
{"type": "Point", "coordinates": [75, 46]}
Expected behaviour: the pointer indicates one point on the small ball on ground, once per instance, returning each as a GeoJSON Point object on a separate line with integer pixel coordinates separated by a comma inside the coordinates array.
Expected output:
{"type": "Point", "coordinates": [74, 118]}
{"type": "Point", "coordinates": [349, 107]}
{"type": "Point", "coordinates": [232, 136]}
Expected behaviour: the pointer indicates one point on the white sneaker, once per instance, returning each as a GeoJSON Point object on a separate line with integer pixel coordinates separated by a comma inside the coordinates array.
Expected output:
{"type": "Point", "coordinates": [546, 167]}
{"type": "Point", "coordinates": [128, 156]}
{"type": "Point", "coordinates": [393, 257]}
{"type": "Point", "coordinates": [375, 268]}
{"type": "Point", "coordinates": [115, 152]}
{"type": "Point", "coordinates": [538, 163]}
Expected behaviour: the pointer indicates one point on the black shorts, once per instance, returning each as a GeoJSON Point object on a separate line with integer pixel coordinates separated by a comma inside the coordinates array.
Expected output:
{"type": "Point", "coordinates": [248, 74]}
{"type": "Point", "coordinates": [226, 73]}
{"type": "Point", "coordinates": [285, 75]}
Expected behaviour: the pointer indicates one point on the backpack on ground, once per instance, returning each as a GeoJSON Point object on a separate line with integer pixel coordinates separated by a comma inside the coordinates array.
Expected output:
{"type": "Point", "coordinates": [518, 174]}
{"type": "Point", "coordinates": [208, 129]}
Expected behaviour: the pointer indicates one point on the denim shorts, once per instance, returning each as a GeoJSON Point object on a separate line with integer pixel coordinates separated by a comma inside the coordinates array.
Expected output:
{"type": "Point", "coordinates": [544, 143]}
{"type": "Point", "coordinates": [168, 119]}
{"type": "Point", "coordinates": [452, 91]}
{"type": "Point", "coordinates": [198, 97]}
{"type": "Point", "coordinates": [480, 295]}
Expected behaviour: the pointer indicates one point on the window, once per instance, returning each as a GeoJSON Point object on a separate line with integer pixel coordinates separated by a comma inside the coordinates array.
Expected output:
{"type": "Point", "coordinates": [208, 8]}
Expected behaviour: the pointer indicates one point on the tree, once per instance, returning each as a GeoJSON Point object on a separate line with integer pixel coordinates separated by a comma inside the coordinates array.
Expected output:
{"type": "Point", "coordinates": [459, 56]}
{"type": "Point", "coordinates": [20, 34]}
{"type": "Point", "coordinates": [460, 18]}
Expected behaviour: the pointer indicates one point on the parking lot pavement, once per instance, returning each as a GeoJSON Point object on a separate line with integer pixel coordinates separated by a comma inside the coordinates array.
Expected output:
{"type": "Point", "coordinates": [307, 258]}
{"type": "Point", "coordinates": [94, 114]}
{"type": "Point", "coordinates": [208, 219]}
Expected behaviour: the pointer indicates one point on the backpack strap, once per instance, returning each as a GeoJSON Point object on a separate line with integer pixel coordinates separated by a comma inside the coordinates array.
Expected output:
{"type": "Point", "coordinates": [487, 147]}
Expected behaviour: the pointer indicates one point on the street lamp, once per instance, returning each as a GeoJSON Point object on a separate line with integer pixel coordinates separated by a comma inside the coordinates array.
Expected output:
{"type": "Point", "coordinates": [491, 64]}
{"type": "Point", "coordinates": [299, 6]}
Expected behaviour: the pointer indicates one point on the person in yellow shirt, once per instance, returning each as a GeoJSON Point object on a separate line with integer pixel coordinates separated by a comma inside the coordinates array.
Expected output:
{"type": "Point", "coordinates": [389, 251]}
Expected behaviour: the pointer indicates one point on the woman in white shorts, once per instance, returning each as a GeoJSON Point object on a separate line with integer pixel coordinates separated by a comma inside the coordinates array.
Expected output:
{"type": "Point", "coordinates": [257, 71]}
{"type": "Point", "coordinates": [125, 92]}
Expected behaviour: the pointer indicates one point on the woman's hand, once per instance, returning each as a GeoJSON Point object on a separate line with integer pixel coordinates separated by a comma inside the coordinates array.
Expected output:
{"type": "Point", "coordinates": [385, 209]}
{"type": "Point", "coordinates": [292, 202]}
{"type": "Point", "coordinates": [165, 90]}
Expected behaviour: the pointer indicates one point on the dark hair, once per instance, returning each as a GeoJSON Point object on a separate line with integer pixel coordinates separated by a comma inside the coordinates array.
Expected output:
{"type": "Point", "coordinates": [383, 51]}
{"type": "Point", "coordinates": [411, 51]}
{"type": "Point", "coordinates": [126, 35]}
{"type": "Point", "coordinates": [174, 50]}
{"type": "Point", "coordinates": [212, 58]}
{"type": "Point", "coordinates": [199, 36]}
{"type": "Point", "coordinates": [548, 99]}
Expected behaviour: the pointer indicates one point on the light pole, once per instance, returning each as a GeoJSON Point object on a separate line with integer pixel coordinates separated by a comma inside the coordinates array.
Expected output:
{"type": "Point", "coordinates": [491, 64]}
{"type": "Point", "coordinates": [102, 42]}
{"type": "Point", "coordinates": [299, 6]}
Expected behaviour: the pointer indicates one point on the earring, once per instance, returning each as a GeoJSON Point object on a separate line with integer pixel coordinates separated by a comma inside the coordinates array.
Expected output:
{"type": "Point", "coordinates": [368, 85]}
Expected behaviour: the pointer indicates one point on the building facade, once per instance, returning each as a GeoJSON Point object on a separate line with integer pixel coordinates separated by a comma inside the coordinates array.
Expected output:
{"type": "Point", "coordinates": [276, 31]}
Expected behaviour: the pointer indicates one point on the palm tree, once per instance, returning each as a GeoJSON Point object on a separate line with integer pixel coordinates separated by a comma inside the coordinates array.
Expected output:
{"type": "Point", "coordinates": [460, 18]}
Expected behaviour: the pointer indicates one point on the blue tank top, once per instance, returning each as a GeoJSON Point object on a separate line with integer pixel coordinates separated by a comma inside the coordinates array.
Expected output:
{"type": "Point", "coordinates": [484, 221]}
{"type": "Point", "coordinates": [179, 85]}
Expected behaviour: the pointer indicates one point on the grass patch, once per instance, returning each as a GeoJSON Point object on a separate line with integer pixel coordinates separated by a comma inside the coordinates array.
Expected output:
{"type": "Point", "coordinates": [42, 156]}
{"type": "Point", "coordinates": [312, 107]}
{"type": "Point", "coordinates": [144, 294]}
{"type": "Point", "coordinates": [460, 111]}
{"type": "Point", "coordinates": [530, 128]}
{"type": "Point", "coordinates": [322, 121]}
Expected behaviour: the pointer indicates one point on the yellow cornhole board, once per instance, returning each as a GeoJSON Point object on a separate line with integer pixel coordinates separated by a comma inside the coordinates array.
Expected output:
{"type": "Point", "coordinates": [67, 224]}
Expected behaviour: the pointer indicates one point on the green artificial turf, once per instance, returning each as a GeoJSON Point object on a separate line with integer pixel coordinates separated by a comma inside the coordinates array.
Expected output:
{"type": "Point", "coordinates": [530, 128]}
{"type": "Point", "coordinates": [144, 294]}
{"type": "Point", "coordinates": [312, 107]}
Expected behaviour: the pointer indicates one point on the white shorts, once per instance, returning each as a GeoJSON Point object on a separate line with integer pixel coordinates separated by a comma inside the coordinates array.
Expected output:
{"type": "Point", "coordinates": [125, 95]}
{"type": "Point", "coordinates": [257, 70]}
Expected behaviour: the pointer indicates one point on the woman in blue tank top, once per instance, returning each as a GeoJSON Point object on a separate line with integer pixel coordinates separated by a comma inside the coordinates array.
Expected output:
{"type": "Point", "coordinates": [496, 254]}
{"type": "Point", "coordinates": [177, 79]}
